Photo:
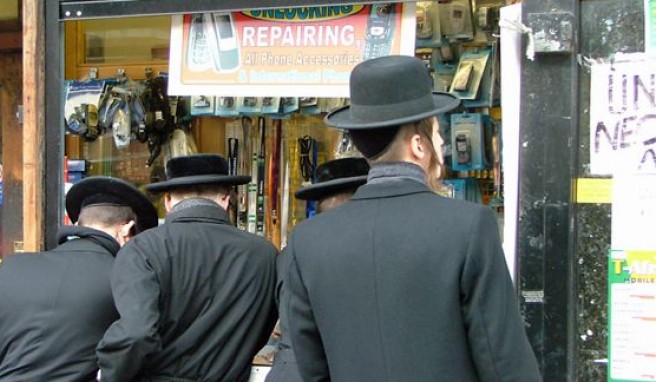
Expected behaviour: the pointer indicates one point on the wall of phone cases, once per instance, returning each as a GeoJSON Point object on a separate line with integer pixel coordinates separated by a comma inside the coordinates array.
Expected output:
{"type": "Point", "coordinates": [458, 41]}
{"type": "Point", "coordinates": [128, 128]}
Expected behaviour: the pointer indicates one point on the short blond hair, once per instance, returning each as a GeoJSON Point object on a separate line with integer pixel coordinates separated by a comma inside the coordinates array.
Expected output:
{"type": "Point", "coordinates": [207, 191]}
{"type": "Point", "coordinates": [106, 216]}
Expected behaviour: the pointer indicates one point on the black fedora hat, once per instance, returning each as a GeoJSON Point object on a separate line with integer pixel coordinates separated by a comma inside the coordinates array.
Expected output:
{"type": "Point", "coordinates": [198, 169]}
{"type": "Point", "coordinates": [335, 176]}
{"type": "Point", "coordinates": [390, 91]}
{"type": "Point", "coordinates": [103, 190]}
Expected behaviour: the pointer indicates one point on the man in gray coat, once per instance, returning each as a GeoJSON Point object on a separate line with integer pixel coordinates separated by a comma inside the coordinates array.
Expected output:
{"type": "Point", "coordinates": [56, 305]}
{"type": "Point", "coordinates": [401, 284]}
{"type": "Point", "coordinates": [336, 182]}
{"type": "Point", "coordinates": [196, 294]}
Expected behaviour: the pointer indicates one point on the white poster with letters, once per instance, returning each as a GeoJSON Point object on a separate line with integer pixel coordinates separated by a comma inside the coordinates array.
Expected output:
{"type": "Point", "coordinates": [623, 117]}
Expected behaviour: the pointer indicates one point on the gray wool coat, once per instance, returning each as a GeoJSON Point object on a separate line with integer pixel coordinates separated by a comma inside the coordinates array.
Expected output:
{"type": "Point", "coordinates": [196, 299]}
{"type": "Point", "coordinates": [400, 284]}
{"type": "Point", "coordinates": [54, 308]}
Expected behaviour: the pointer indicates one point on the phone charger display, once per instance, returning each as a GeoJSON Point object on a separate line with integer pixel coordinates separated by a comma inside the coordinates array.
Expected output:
{"type": "Point", "coordinates": [467, 142]}
{"type": "Point", "coordinates": [202, 105]}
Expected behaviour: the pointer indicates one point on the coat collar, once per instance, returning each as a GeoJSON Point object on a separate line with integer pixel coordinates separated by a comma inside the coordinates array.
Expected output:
{"type": "Point", "coordinates": [390, 189]}
{"type": "Point", "coordinates": [209, 212]}
{"type": "Point", "coordinates": [72, 233]}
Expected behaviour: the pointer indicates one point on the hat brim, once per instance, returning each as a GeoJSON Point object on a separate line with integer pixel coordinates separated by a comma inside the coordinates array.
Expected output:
{"type": "Point", "coordinates": [325, 189]}
{"type": "Point", "coordinates": [196, 180]}
{"type": "Point", "coordinates": [130, 195]}
{"type": "Point", "coordinates": [341, 118]}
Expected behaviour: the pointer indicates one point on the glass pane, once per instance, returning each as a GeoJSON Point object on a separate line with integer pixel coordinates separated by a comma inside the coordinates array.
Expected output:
{"type": "Point", "coordinates": [126, 40]}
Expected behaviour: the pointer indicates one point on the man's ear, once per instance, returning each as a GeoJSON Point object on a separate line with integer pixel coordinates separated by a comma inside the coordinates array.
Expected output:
{"type": "Point", "coordinates": [417, 147]}
{"type": "Point", "coordinates": [168, 202]}
{"type": "Point", "coordinates": [127, 228]}
{"type": "Point", "coordinates": [223, 200]}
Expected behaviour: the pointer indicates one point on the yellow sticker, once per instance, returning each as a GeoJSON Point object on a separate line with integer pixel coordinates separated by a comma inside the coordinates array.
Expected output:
{"type": "Point", "coordinates": [594, 190]}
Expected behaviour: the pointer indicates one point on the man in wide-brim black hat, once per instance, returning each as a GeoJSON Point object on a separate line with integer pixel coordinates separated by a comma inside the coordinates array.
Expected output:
{"type": "Point", "coordinates": [335, 183]}
{"type": "Point", "coordinates": [399, 283]}
{"type": "Point", "coordinates": [56, 305]}
{"type": "Point", "coordinates": [196, 295]}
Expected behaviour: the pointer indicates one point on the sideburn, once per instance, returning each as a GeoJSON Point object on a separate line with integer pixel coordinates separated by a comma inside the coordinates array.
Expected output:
{"type": "Point", "coordinates": [433, 177]}
{"type": "Point", "coordinates": [436, 170]}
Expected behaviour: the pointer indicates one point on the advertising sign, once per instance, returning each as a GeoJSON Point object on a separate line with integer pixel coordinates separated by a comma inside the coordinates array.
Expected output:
{"type": "Point", "coordinates": [304, 51]}
{"type": "Point", "coordinates": [632, 316]}
{"type": "Point", "coordinates": [623, 117]}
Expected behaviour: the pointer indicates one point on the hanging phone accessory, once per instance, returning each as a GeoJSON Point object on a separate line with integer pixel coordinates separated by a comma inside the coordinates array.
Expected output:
{"type": "Point", "coordinates": [308, 163]}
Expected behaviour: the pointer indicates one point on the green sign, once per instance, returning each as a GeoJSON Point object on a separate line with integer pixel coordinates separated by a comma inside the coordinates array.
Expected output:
{"type": "Point", "coordinates": [631, 316]}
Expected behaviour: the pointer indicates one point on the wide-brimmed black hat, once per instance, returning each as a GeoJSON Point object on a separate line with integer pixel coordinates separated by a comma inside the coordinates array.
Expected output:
{"type": "Point", "coordinates": [335, 176]}
{"type": "Point", "coordinates": [199, 169]}
{"type": "Point", "coordinates": [103, 190]}
{"type": "Point", "coordinates": [390, 91]}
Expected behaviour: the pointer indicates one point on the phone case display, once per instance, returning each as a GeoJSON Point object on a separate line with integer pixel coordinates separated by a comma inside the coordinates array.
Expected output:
{"type": "Point", "coordinates": [81, 107]}
{"type": "Point", "coordinates": [202, 105]}
{"type": "Point", "coordinates": [443, 76]}
{"type": "Point", "coordinates": [226, 107]}
{"type": "Point", "coordinates": [429, 30]}
{"type": "Point", "coordinates": [464, 55]}
{"type": "Point", "coordinates": [468, 76]}
{"type": "Point", "coordinates": [489, 92]}
{"type": "Point", "coordinates": [456, 19]}
{"type": "Point", "coordinates": [309, 105]}
{"type": "Point", "coordinates": [249, 105]}
{"type": "Point", "coordinates": [487, 18]}
{"type": "Point", "coordinates": [467, 142]}
{"type": "Point", "coordinates": [270, 105]}
{"type": "Point", "coordinates": [458, 38]}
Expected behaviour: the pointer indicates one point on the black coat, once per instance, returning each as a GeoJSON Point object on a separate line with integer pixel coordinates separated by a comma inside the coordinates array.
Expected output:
{"type": "Point", "coordinates": [284, 368]}
{"type": "Point", "coordinates": [54, 308]}
{"type": "Point", "coordinates": [196, 298]}
{"type": "Point", "coordinates": [400, 284]}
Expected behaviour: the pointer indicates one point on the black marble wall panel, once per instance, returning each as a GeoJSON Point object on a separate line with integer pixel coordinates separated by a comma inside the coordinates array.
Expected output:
{"type": "Point", "coordinates": [548, 135]}
{"type": "Point", "coordinates": [607, 27]}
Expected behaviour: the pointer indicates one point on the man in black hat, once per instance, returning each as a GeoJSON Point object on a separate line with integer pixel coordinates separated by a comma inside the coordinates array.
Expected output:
{"type": "Point", "coordinates": [196, 295]}
{"type": "Point", "coordinates": [56, 305]}
{"type": "Point", "coordinates": [336, 182]}
{"type": "Point", "coordinates": [401, 284]}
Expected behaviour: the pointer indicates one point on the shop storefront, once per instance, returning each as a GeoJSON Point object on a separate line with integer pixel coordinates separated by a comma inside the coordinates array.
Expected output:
{"type": "Point", "coordinates": [254, 86]}
{"type": "Point", "coordinates": [240, 101]}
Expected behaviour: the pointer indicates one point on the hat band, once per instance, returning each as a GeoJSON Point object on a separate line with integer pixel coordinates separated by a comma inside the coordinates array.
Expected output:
{"type": "Point", "coordinates": [376, 113]}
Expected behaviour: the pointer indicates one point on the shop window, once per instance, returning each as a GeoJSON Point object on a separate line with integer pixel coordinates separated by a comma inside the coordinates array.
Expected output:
{"type": "Point", "coordinates": [121, 53]}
